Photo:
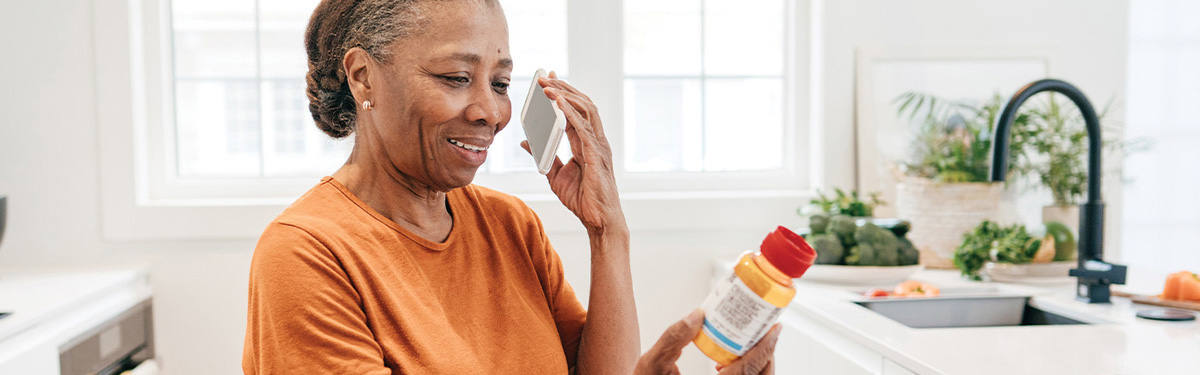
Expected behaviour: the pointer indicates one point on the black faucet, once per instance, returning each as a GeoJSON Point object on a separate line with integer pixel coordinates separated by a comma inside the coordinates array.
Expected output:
{"type": "Point", "coordinates": [1094, 274]}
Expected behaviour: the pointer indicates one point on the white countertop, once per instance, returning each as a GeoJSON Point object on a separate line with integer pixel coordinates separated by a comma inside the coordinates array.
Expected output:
{"type": "Point", "coordinates": [34, 297]}
{"type": "Point", "coordinates": [1121, 344]}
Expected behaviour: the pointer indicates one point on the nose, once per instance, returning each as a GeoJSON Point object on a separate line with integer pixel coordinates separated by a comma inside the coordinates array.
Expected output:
{"type": "Point", "coordinates": [484, 106]}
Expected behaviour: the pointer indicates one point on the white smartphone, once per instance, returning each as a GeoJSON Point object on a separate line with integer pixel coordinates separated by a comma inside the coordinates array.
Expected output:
{"type": "Point", "coordinates": [544, 124]}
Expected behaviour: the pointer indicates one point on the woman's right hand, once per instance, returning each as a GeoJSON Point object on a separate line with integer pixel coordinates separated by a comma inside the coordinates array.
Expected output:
{"type": "Point", "coordinates": [660, 359]}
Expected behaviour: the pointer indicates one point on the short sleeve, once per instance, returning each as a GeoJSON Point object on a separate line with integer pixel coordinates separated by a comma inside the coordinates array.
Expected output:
{"type": "Point", "coordinates": [569, 314]}
{"type": "Point", "coordinates": [304, 316]}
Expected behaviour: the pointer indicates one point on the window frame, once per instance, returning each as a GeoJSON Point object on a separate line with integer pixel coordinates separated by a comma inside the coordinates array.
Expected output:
{"type": "Point", "coordinates": [143, 200]}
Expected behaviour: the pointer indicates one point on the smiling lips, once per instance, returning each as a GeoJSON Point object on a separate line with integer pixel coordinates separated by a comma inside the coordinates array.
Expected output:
{"type": "Point", "coordinates": [467, 146]}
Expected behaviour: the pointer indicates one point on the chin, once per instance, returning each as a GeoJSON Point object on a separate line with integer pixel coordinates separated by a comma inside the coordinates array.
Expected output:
{"type": "Point", "coordinates": [459, 179]}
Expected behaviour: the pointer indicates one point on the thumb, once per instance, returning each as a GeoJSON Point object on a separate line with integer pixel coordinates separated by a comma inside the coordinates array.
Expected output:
{"type": "Point", "coordinates": [525, 145]}
{"type": "Point", "coordinates": [676, 337]}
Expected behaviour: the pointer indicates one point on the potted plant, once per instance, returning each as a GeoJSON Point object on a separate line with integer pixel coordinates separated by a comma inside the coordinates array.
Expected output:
{"type": "Point", "coordinates": [1054, 143]}
{"type": "Point", "coordinates": [943, 188]}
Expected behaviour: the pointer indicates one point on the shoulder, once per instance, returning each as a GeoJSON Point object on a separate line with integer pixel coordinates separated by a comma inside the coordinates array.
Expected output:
{"type": "Point", "coordinates": [306, 227]}
{"type": "Point", "coordinates": [324, 205]}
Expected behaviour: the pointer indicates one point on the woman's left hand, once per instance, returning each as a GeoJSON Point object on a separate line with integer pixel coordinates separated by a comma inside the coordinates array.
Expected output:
{"type": "Point", "coordinates": [585, 184]}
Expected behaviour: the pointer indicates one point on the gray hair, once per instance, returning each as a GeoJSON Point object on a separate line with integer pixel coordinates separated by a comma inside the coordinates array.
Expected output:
{"type": "Point", "coordinates": [337, 26]}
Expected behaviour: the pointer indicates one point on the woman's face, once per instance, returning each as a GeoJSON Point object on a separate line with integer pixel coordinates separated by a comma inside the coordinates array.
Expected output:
{"type": "Point", "coordinates": [443, 96]}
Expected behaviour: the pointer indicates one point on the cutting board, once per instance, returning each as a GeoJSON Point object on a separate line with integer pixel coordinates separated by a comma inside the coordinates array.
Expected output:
{"type": "Point", "coordinates": [1154, 300]}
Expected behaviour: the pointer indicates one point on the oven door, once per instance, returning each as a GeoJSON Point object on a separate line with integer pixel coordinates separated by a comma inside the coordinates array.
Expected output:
{"type": "Point", "coordinates": [120, 344]}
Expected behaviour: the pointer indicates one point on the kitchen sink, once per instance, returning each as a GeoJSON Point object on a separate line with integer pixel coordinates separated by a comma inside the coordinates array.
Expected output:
{"type": "Point", "coordinates": [966, 311]}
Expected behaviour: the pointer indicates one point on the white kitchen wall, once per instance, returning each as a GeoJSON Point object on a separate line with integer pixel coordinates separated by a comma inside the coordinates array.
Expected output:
{"type": "Point", "coordinates": [1090, 37]}
{"type": "Point", "coordinates": [48, 167]}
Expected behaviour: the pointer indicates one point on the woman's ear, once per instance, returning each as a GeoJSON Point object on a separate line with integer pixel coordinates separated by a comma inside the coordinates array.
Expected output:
{"type": "Point", "coordinates": [357, 63]}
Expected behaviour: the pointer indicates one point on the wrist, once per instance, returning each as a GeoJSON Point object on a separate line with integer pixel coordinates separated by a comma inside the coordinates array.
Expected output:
{"type": "Point", "coordinates": [609, 239]}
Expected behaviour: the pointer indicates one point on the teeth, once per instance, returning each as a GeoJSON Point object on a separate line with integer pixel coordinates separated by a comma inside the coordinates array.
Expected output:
{"type": "Point", "coordinates": [467, 146]}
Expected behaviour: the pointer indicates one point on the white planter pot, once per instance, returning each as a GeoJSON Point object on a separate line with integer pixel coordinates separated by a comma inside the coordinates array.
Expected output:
{"type": "Point", "coordinates": [941, 212]}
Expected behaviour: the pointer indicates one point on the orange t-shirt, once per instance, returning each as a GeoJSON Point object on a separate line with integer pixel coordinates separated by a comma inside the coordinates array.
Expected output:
{"type": "Point", "coordinates": [337, 288]}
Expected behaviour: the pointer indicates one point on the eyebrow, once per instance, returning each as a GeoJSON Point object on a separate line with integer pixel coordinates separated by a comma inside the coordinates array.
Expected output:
{"type": "Point", "coordinates": [471, 58]}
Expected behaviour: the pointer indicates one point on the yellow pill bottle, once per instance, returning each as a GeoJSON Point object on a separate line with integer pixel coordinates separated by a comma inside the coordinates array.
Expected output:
{"type": "Point", "coordinates": [744, 305]}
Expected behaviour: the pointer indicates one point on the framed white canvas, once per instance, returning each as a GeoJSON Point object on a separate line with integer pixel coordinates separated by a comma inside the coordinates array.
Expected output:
{"type": "Point", "coordinates": [972, 74]}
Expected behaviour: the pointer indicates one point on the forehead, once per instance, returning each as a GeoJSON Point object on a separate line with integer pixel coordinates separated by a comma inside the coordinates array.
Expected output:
{"type": "Point", "coordinates": [460, 29]}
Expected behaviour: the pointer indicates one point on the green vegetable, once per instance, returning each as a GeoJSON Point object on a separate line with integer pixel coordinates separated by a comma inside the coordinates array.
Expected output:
{"type": "Point", "coordinates": [1064, 240]}
{"type": "Point", "coordinates": [909, 255]}
{"type": "Point", "coordinates": [875, 247]}
{"type": "Point", "coordinates": [899, 227]}
{"type": "Point", "coordinates": [829, 249]}
{"type": "Point", "coordinates": [990, 241]}
{"type": "Point", "coordinates": [847, 204]}
{"type": "Point", "coordinates": [976, 248]}
{"type": "Point", "coordinates": [843, 226]}
{"type": "Point", "coordinates": [1015, 246]}
{"type": "Point", "coordinates": [818, 223]}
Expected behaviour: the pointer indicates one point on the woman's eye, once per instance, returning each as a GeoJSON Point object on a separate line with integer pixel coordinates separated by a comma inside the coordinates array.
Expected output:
{"type": "Point", "coordinates": [501, 87]}
{"type": "Point", "coordinates": [457, 79]}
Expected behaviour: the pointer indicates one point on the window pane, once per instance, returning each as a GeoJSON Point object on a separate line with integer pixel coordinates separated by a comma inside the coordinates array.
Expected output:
{"type": "Point", "coordinates": [744, 124]}
{"type": "Point", "coordinates": [663, 129]}
{"type": "Point", "coordinates": [662, 37]}
{"type": "Point", "coordinates": [281, 29]}
{"type": "Point", "coordinates": [743, 37]}
{"type": "Point", "coordinates": [214, 38]}
{"type": "Point", "coordinates": [1164, 50]}
{"type": "Point", "coordinates": [293, 146]}
{"type": "Point", "coordinates": [217, 128]}
{"type": "Point", "coordinates": [537, 35]}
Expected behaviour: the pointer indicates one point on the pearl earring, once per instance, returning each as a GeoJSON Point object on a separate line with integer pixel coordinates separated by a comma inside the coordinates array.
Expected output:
{"type": "Point", "coordinates": [366, 105]}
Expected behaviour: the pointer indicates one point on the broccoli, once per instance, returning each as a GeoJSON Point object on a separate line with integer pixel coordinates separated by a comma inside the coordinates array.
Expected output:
{"type": "Point", "coordinates": [818, 223]}
{"type": "Point", "coordinates": [829, 248]}
{"type": "Point", "coordinates": [875, 247]}
{"type": "Point", "coordinates": [909, 255]}
{"type": "Point", "coordinates": [843, 226]}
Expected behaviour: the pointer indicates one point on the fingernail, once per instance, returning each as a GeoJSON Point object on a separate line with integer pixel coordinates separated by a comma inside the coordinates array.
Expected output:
{"type": "Point", "coordinates": [695, 315]}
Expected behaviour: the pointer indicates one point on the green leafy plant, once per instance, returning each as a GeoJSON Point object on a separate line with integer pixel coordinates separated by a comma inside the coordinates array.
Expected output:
{"type": "Point", "coordinates": [1048, 141]}
{"type": "Point", "coordinates": [990, 241]}
{"type": "Point", "coordinates": [847, 204]}
{"type": "Point", "coordinates": [953, 141]}
{"type": "Point", "coordinates": [1055, 145]}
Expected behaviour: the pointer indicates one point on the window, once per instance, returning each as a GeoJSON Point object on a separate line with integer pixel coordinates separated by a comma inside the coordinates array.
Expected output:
{"type": "Point", "coordinates": [704, 85]}
{"type": "Point", "coordinates": [697, 96]}
{"type": "Point", "coordinates": [704, 90]}
{"type": "Point", "coordinates": [1159, 218]}
{"type": "Point", "coordinates": [241, 64]}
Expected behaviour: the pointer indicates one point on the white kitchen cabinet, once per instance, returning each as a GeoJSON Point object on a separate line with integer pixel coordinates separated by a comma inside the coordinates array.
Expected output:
{"type": "Point", "coordinates": [66, 322]}
{"type": "Point", "coordinates": [808, 348]}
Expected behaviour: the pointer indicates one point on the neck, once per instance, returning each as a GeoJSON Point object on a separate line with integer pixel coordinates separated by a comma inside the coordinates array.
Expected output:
{"type": "Point", "coordinates": [398, 196]}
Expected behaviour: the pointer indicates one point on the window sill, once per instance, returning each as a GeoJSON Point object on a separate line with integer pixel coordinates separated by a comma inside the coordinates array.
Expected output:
{"type": "Point", "coordinates": [210, 219]}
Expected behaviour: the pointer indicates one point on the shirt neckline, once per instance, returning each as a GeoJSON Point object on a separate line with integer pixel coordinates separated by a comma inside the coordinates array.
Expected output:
{"type": "Point", "coordinates": [457, 210]}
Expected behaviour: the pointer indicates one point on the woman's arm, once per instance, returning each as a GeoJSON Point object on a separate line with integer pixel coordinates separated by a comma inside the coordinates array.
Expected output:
{"type": "Point", "coordinates": [586, 185]}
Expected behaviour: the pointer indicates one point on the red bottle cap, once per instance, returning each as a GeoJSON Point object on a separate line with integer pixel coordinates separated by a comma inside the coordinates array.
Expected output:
{"type": "Point", "coordinates": [788, 252]}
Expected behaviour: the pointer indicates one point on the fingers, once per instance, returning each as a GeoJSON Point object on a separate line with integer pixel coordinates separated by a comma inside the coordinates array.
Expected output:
{"type": "Point", "coordinates": [553, 81]}
{"type": "Point", "coordinates": [759, 360]}
{"type": "Point", "coordinates": [584, 144]}
{"type": "Point", "coordinates": [662, 356]}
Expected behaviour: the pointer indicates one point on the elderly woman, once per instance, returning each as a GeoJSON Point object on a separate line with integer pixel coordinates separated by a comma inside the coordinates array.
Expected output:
{"type": "Point", "coordinates": [396, 263]}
